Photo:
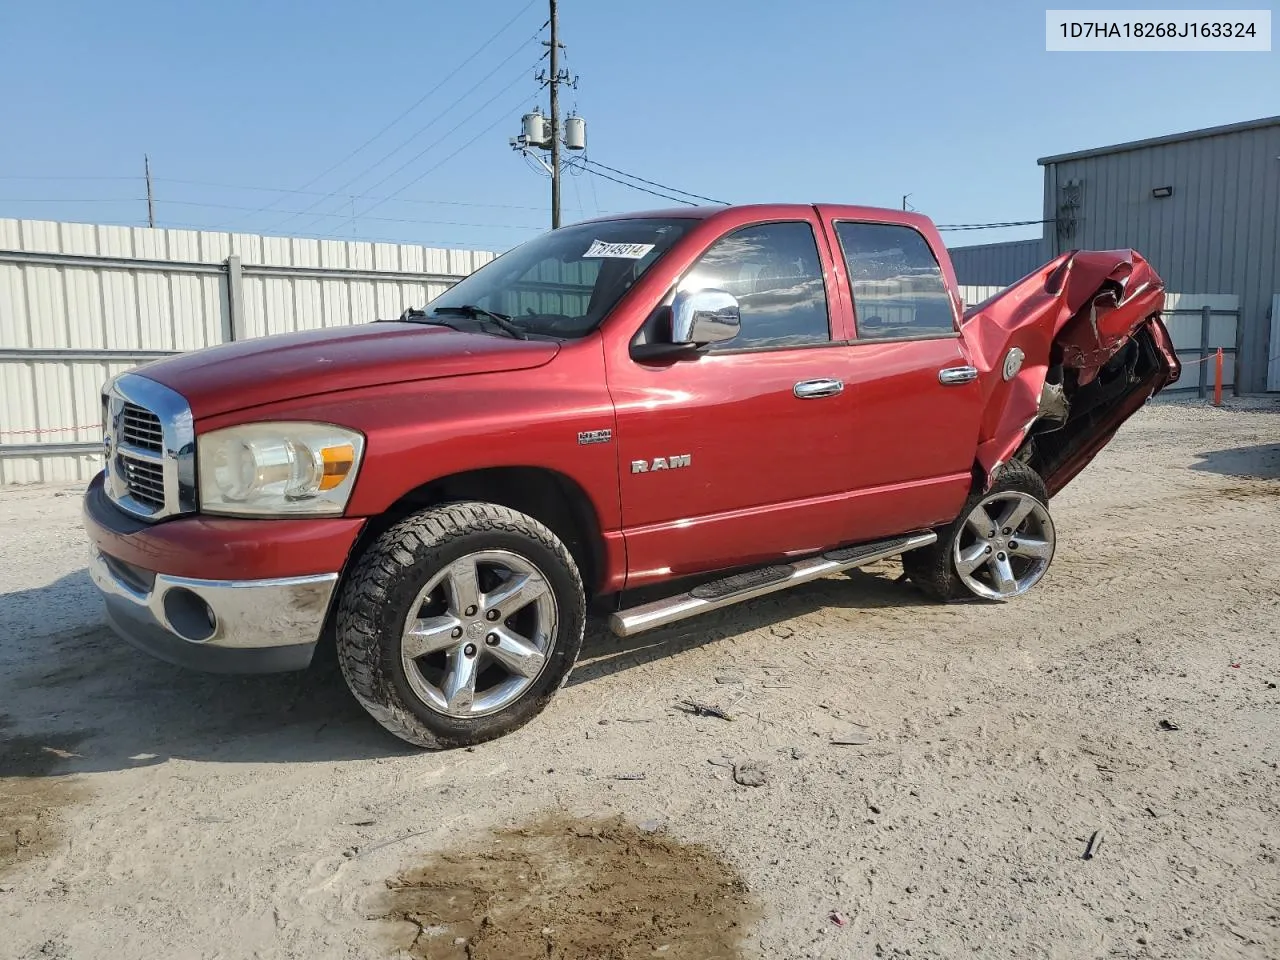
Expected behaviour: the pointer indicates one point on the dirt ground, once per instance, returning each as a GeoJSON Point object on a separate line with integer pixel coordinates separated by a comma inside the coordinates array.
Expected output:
{"type": "Point", "coordinates": [1089, 771]}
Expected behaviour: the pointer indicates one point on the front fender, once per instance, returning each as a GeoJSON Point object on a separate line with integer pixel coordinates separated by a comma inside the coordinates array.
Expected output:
{"type": "Point", "coordinates": [420, 431]}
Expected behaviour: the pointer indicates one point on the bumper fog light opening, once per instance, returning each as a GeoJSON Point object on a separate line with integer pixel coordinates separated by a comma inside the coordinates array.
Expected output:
{"type": "Point", "coordinates": [189, 616]}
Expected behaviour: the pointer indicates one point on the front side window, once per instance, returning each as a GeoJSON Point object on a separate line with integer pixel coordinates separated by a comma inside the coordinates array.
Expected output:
{"type": "Point", "coordinates": [775, 272]}
{"type": "Point", "coordinates": [898, 289]}
{"type": "Point", "coordinates": [563, 283]}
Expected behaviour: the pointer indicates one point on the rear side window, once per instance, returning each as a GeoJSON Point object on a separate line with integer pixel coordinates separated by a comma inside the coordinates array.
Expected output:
{"type": "Point", "coordinates": [774, 271]}
{"type": "Point", "coordinates": [898, 290]}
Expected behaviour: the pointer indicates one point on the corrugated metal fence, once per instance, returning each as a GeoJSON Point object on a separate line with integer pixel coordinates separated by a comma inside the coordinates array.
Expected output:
{"type": "Point", "coordinates": [82, 302]}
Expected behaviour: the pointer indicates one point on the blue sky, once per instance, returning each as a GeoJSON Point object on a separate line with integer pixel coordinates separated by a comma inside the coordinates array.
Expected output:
{"type": "Point", "coordinates": [803, 100]}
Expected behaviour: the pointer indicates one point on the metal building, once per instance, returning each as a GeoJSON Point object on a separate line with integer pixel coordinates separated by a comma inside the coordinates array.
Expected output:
{"type": "Point", "coordinates": [1202, 206]}
{"type": "Point", "coordinates": [997, 264]}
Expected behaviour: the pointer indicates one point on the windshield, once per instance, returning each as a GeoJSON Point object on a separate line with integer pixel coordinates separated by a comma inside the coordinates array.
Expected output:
{"type": "Point", "coordinates": [563, 283]}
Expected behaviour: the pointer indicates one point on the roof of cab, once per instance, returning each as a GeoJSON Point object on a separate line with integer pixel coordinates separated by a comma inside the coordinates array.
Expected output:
{"type": "Point", "coordinates": [767, 210]}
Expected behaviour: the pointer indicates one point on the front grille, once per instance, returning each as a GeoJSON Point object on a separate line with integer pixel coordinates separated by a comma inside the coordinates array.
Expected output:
{"type": "Point", "coordinates": [139, 427]}
{"type": "Point", "coordinates": [150, 448]}
{"type": "Point", "coordinates": [145, 481]}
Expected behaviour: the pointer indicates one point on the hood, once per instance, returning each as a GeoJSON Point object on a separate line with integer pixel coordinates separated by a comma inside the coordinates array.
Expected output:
{"type": "Point", "coordinates": [249, 373]}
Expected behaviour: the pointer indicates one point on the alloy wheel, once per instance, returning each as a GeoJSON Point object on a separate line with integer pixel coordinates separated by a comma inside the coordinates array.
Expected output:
{"type": "Point", "coordinates": [1005, 545]}
{"type": "Point", "coordinates": [479, 633]}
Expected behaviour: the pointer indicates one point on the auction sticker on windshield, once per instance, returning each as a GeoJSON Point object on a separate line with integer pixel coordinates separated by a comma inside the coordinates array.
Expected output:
{"type": "Point", "coordinates": [621, 251]}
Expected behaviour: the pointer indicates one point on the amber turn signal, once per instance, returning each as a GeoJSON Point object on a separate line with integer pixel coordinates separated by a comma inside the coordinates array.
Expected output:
{"type": "Point", "coordinates": [338, 462]}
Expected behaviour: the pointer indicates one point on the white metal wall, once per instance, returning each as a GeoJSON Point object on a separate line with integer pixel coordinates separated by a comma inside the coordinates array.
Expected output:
{"type": "Point", "coordinates": [68, 324]}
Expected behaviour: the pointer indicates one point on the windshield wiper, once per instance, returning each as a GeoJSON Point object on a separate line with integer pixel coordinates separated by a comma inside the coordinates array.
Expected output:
{"type": "Point", "coordinates": [480, 313]}
{"type": "Point", "coordinates": [413, 315]}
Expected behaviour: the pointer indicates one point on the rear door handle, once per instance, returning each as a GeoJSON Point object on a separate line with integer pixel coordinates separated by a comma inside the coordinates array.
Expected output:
{"type": "Point", "coordinates": [954, 375]}
{"type": "Point", "coordinates": [812, 389]}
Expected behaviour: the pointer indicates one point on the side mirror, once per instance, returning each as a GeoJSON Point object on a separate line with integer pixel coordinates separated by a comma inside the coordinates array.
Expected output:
{"type": "Point", "coordinates": [702, 317]}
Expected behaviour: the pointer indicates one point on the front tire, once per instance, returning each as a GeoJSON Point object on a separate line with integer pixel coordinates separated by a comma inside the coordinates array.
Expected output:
{"type": "Point", "coordinates": [999, 547]}
{"type": "Point", "coordinates": [460, 623]}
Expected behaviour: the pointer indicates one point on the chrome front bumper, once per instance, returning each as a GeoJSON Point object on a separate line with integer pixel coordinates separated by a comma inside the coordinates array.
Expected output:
{"type": "Point", "coordinates": [224, 626]}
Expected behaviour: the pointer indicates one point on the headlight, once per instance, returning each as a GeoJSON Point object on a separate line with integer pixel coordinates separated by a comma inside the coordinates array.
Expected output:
{"type": "Point", "coordinates": [278, 468]}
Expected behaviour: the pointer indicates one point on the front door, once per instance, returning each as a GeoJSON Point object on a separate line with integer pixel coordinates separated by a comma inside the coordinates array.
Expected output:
{"type": "Point", "coordinates": [730, 457]}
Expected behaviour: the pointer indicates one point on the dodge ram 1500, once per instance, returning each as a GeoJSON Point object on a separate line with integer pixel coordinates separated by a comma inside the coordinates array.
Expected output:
{"type": "Point", "coordinates": [701, 406]}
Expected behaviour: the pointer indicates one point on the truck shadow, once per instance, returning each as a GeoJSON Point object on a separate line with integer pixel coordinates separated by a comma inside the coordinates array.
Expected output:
{"type": "Point", "coordinates": [603, 653]}
{"type": "Point", "coordinates": [80, 700]}
{"type": "Point", "coordinates": [127, 709]}
{"type": "Point", "coordinates": [1260, 462]}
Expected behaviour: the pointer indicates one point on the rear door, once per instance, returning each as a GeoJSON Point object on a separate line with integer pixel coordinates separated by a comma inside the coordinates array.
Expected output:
{"type": "Point", "coordinates": [737, 455]}
{"type": "Point", "coordinates": [916, 402]}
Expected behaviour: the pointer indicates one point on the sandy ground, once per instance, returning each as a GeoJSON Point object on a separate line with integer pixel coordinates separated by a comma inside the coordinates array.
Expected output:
{"type": "Point", "coordinates": [149, 812]}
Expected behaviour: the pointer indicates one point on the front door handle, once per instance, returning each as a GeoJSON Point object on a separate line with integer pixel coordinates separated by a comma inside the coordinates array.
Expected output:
{"type": "Point", "coordinates": [954, 375]}
{"type": "Point", "coordinates": [812, 389]}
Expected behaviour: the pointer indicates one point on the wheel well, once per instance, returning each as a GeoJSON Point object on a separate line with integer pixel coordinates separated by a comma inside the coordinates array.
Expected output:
{"type": "Point", "coordinates": [549, 497]}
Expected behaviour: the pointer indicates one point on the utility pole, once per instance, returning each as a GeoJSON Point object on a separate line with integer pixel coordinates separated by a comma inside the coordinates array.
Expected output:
{"type": "Point", "coordinates": [151, 204]}
{"type": "Point", "coordinates": [905, 205]}
{"type": "Point", "coordinates": [539, 132]}
{"type": "Point", "coordinates": [555, 118]}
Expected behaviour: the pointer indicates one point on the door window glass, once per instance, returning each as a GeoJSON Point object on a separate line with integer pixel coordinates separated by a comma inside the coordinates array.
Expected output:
{"type": "Point", "coordinates": [775, 272]}
{"type": "Point", "coordinates": [898, 288]}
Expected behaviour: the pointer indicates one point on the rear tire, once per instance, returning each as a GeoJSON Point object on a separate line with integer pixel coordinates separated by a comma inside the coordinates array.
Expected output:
{"type": "Point", "coordinates": [460, 623]}
{"type": "Point", "coordinates": [935, 569]}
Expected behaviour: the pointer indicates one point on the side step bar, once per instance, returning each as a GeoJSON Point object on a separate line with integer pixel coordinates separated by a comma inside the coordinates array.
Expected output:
{"type": "Point", "coordinates": [756, 583]}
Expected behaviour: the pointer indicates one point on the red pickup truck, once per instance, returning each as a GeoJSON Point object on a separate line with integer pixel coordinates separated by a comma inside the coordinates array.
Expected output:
{"type": "Point", "coordinates": [704, 405]}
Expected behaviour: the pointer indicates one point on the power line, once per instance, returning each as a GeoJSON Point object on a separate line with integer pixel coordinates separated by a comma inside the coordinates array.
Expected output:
{"type": "Point", "coordinates": [42, 177]}
{"type": "Point", "coordinates": [421, 100]}
{"type": "Point", "coordinates": [665, 196]}
{"type": "Point", "coordinates": [441, 163]}
{"type": "Point", "coordinates": [443, 137]}
{"type": "Point", "coordinates": [652, 183]}
{"type": "Point", "coordinates": [414, 106]}
{"type": "Point", "coordinates": [421, 130]}
{"type": "Point", "coordinates": [73, 200]}
{"type": "Point", "coordinates": [356, 196]}
{"type": "Point", "coordinates": [990, 226]}
{"type": "Point", "coordinates": [345, 216]}
{"type": "Point", "coordinates": [595, 199]}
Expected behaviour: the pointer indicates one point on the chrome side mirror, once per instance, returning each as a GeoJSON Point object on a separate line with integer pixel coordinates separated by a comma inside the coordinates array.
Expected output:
{"type": "Point", "coordinates": [701, 317]}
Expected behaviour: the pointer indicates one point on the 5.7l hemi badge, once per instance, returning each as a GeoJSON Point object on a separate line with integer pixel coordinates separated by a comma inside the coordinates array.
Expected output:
{"type": "Point", "coordinates": [595, 436]}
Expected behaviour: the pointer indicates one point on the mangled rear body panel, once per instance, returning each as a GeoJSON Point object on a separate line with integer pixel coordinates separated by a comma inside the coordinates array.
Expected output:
{"type": "Point", "coordinates": [1092, 350]}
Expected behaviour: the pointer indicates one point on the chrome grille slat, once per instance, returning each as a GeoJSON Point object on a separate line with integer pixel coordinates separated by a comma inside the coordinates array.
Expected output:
{"type": "Point", "coordinates": [138, 479]}
{"type": "Point", "coordinates": [144, 479]}
{"type": "Point", "coordinates": [140, 427]}
{"type": "Point", "coordinates": [152, 441]}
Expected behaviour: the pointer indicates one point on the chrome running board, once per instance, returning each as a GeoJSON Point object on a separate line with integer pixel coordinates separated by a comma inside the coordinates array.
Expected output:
{"type": "Point", "coordinates": [756, 583]}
